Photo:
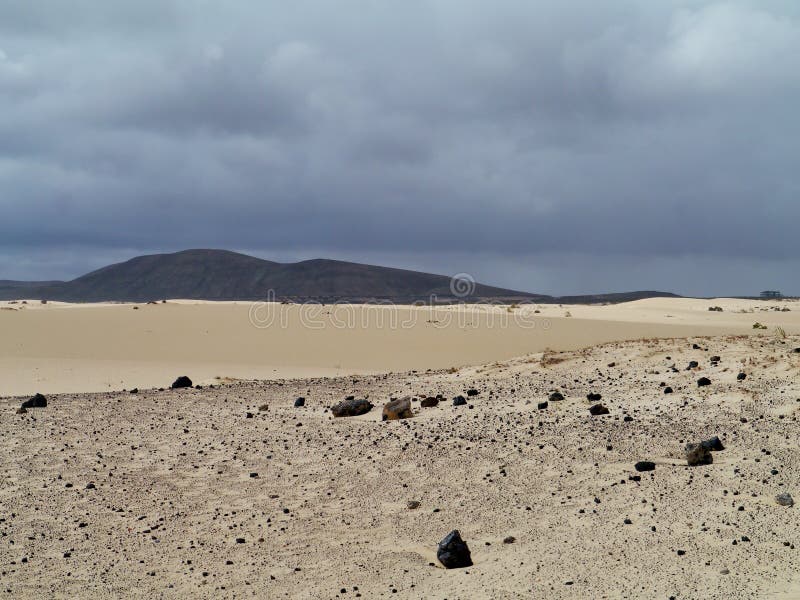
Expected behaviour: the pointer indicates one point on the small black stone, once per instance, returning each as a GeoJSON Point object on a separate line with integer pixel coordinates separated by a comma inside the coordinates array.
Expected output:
{"type": "Point", "coordinates": [597, 410]}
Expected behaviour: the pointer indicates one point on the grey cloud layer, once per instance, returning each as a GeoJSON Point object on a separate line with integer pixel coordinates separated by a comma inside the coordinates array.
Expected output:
{"type": "Point", "coordinates": [621, 130]}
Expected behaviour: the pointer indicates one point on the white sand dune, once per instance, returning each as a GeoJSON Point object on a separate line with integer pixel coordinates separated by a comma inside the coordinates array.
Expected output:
{"type": "Point", "coordinates": [99, 347]}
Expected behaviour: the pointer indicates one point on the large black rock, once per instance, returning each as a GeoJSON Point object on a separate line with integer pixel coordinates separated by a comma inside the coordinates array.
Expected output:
{"type": "Point", "coordinates": [597, 410]}
{"type": "Point", "coordinates": [351, 408]}
{"type": "Point", "coordinates": [37, 401]}
{"type": "Point", "coordinates": [697, 454]}
{"type": "Point", "coordinates": [181, 382]}
{"type": "Point", "coordinates": [645, 465]}
{"type": "Point", "coordinates": [713, 444]}
{"type": "Point", "coordinates": [453, 552]}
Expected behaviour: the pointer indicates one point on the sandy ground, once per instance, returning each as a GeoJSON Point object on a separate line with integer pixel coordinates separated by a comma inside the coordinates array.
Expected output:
{"type": "Point", "coordinates": [90, 348]}
{"type": "Point", "coordinates": [177, 493]}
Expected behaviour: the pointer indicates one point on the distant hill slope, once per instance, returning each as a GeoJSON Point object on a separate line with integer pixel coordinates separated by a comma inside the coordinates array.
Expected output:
{"type": "Point", "coordinates": [225, 275]}
{"type": "Point", "coordinates": [614, 298]}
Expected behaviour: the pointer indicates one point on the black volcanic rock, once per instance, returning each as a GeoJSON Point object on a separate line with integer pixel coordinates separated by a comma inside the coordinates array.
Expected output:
{"type": "Point", "coordinates": [453, 552]}
{"type": "Point", "coordinates": [299, 402]}
{"type": "Point", "coordinates": [351, 408]}
{"type": "Point", "coordinates": [713, 444]}
{"type": "Point", "coordinates": [697, 454]}
{"type": "Point", "coordinates": [556, 397]}
{"type": "Point", "coordinates": [459, 401]}
{"type": "Point", "coordinates": [645, 465]}
{"type": "Point", "coordinates": [703, 381]}
{"type": "Point", "coordinates": [37, 401]}
{"type": "Point", "coordinates": [597, 410]}
{"type": "Point", "coordinates": [181, 382]}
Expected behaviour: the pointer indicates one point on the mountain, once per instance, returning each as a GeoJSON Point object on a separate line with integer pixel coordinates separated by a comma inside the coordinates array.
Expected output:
{"type": "Point", "coordinates": [613, 298]}
{"type": "Point", "coordinates": [10, 290]}
{"type": "Point", "coordinates": [224, 275]}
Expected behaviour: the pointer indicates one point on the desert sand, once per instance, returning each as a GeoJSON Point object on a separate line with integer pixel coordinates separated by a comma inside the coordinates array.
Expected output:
{"type": "Point", "coordinates": [59, 347]}
{"type": "Point", "coordinates": [232, 491]}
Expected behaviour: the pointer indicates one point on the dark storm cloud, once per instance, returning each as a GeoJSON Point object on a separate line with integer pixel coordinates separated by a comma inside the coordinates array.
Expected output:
{"type": "Point", "coordinates": [623, 143]}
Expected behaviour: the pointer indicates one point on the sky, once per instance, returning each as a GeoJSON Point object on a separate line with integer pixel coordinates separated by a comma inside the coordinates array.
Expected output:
{"type": "Point", "coordinates": [553, 147]}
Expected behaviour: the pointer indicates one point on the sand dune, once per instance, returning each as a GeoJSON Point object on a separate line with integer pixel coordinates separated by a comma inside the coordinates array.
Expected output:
{"type": "Point", "coordinates": [99, 347]}
{"type": "Point", "coordinates": [180, 493]}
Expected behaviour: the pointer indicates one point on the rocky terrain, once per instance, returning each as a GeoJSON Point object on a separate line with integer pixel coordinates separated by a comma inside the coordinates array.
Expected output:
{"type": "Point", "coordinates": [240, 490]}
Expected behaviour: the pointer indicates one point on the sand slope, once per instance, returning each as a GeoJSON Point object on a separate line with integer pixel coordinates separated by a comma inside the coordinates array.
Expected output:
{"type": "Point", "coordinates": [327, 511]}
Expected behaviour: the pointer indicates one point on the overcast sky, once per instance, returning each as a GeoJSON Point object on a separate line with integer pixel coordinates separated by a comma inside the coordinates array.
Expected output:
{"type": "Point", "coordinates": [554, 147]}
